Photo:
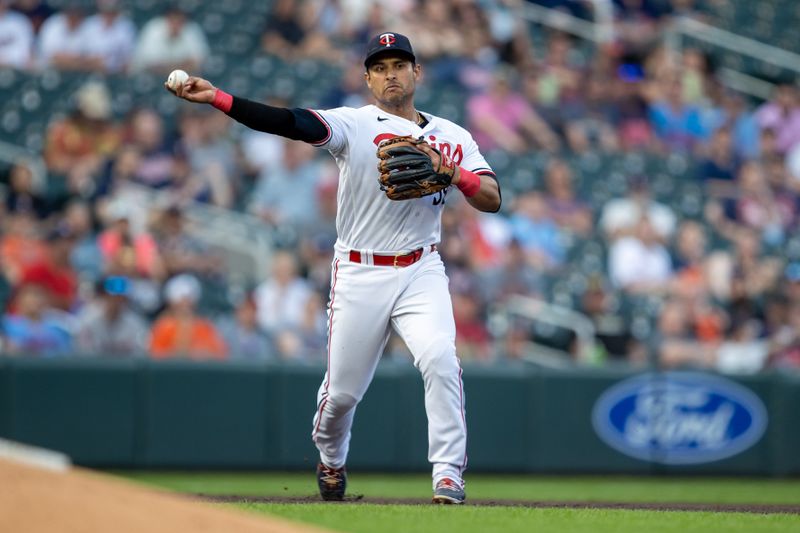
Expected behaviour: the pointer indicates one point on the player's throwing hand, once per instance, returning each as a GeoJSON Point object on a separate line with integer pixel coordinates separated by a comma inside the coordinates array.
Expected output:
{"type": "Point", "coordinates": [195, 89]}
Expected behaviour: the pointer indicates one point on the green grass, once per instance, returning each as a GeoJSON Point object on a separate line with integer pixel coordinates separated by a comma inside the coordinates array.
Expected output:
{"type": "Point", "coordinates": [419, 519]}
{"type": "Point", "coordinates": [613, 489]}
{"type": "Point", "coordinates": [369, 518]}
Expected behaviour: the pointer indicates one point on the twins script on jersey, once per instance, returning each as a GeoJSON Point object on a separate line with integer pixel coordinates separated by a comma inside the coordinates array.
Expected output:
{"type": "Point", "coordinates": [366, 219]}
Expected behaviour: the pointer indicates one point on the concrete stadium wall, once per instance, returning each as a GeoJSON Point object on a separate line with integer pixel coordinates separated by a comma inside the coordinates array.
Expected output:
{"type": "Point", "coordinates": [143, 414]}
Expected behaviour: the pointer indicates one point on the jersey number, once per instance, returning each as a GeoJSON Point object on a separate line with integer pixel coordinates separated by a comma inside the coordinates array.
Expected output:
{"type": "Point", "coordinates": [439, 197]}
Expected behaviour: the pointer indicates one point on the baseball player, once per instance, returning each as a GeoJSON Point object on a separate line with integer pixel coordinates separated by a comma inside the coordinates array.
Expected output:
{"type": "Point", "coordinates": [386, 272]}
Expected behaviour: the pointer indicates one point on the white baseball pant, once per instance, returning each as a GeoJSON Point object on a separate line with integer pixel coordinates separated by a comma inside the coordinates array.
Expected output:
{"type": "Point", "coordinates": [365, 301]}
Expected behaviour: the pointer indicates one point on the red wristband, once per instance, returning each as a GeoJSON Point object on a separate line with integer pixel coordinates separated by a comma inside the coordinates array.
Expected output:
{"type": "Point", "coordinates": [469, 183]}
{"type": "Point", "coordinates": [222, 101]}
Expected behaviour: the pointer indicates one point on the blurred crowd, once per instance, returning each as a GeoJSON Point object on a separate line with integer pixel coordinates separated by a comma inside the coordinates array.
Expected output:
{"type": "Point", "coordinates": [87, 271]}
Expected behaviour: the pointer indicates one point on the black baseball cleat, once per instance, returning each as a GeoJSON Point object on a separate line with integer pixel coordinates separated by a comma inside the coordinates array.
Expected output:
{"type": "Point", "coordinates": [448, 492]}
{"type": "Point", "coordinates": [332, 482]}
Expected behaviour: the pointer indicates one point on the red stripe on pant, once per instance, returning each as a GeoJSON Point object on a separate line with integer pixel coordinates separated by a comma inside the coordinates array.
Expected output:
{"type": "Point", "coordinates": [463, 417]}
{"type": "Point", "coordinates": [330, 335]}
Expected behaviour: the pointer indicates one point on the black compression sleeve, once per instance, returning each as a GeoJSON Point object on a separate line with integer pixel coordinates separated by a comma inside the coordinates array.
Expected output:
{"type": "Point", "coordinates": [298, 124]}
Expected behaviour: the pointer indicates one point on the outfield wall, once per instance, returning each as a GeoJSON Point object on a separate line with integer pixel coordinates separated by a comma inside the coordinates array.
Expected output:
{"type": "Point", "coordinates": [143, 414]}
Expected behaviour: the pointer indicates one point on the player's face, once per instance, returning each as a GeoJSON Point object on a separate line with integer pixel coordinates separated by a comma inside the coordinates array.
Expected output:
{"type": "Point", "coordinates": [392, 80]}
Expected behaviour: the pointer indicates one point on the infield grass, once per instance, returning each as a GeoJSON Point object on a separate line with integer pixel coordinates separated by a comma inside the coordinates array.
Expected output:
{"type": "Point", "coordinates": [423, 519]}
{"type": "Point", "coordinates": [538, 488]}
{"type": "Point", "coordinates": [371, 518]}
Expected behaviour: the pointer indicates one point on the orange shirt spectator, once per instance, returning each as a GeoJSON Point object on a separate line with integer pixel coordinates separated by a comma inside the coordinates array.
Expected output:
{"type": "Point", "coordinates": [179, 332]}
{"type": "Point", "coordinates": [20, 247]}
{"type": "Point", "coordinates": [196, 338]}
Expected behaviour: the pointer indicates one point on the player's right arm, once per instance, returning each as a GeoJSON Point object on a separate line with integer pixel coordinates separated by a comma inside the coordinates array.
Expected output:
{"type": "Point", "coordinates": [297, 124]}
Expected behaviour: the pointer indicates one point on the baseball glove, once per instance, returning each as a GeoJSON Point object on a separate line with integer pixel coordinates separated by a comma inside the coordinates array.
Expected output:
{"type": "Point", "coordinates": [411, 168]}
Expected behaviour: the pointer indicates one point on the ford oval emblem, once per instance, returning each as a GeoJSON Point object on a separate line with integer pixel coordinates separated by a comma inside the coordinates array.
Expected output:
{"type": "Point", "coordinates": [679, 418]}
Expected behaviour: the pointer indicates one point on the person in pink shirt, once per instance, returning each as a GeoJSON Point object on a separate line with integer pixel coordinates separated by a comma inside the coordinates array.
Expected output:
{"type": "Point", "coordinates": [126, 252]}
{"type": "Point", "coordinates": [782, 115]}
{"type": "Point", "coordinates": [501, 118]}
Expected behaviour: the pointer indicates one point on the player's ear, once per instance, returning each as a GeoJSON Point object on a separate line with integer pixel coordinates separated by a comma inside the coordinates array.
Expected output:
{"type": "Point", "coordinates": [368, 79]}
{"type": "Point", "coordinates": [417, 71]}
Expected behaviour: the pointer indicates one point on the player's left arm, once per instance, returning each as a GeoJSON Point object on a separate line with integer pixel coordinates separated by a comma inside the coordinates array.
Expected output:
{"type": "Point", "coordinates": [483, 187]}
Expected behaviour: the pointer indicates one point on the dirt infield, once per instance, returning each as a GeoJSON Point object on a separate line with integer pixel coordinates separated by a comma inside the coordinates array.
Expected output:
{"type": "Point", "coordinates": [35, 500]}
{"type": "Point", "coordinates": [707, 507]}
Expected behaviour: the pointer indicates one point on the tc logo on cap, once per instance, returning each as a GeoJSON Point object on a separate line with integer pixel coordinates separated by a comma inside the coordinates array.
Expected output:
{"type": "Point", "coordinates": [387, 39]}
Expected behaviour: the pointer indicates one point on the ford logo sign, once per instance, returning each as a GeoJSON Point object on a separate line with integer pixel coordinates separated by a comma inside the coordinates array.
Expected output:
{"type": "Point", "coordinates": [679, 418]}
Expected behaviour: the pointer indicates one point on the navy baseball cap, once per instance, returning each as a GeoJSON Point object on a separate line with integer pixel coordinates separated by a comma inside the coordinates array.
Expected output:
{"type": "Point", "coordinates": [388, 42]}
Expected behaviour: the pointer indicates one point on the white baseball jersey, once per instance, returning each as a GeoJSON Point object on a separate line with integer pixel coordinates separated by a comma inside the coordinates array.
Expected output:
{"type": "Point", "coordinates": [366, 219]}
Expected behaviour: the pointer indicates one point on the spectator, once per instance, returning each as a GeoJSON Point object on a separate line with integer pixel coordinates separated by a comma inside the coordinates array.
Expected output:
{"type": "Point", "coordinates": [37, 11]}
{"type": "Point", "coordinates": [784, 347]}
{"type": "Point", "coordinates": [179, 332]}
{"type": "Point", "coordinates": [125, 251]}
{"type": "Point", "coordinates": [33, 330]}
{"type": "Point", "coordinates": [639, 263]}
{"type": "Point", "coordinates": [16, 42]}
{"type": "Point", "coordinates": [180, 251]}
{"type": "Point", "coordinates": [287, 193]}
{"type": "Point", "coordinates": [110, 36]}
{"type": "Point", "coordinates": [734, 115]}
{"type": "Point", "coordinates": [514, 276]}
{"type": "Point", "coordinates": [262, 151]}
{"type": "Point", "coordinates": [613, 337]}
{"type": "Point", "coordinates": [742, 352]}
{"type": "Point", "coordinates": [782, 115]}
{"type": "Point", "coordinates": [473, 342]}
{"type": "Point", "coordinates": [635, 24]}
{"type": "Point", "coordinates": [169, 42]}
{"type": "Point", "coordinates": [117, 173]}
{"type": "Point", "coordinates": [754, 206]}
{"type": "Point", "coordinates": [719, 168]}
{"type": "Point", "coordinates": [154, 164]}
{"type": "Point", "coordinates": [784, 196]}
{"type": "Point", "coordinates": [292, 33]}
{"type": "Point", "coordinates": [282, 299]}
{"type": "Point", "coordinates": [590, 120]}
{"type": "Point", "coordinates": [350, 91]}
{"type": "Point", "coordinates": [674, 344]}
{"type": "Point", "coordinates": [21, 246]}
{"type": "Point", "coordinates": [306, 340]}
{"type": "Point", "coordinates": [534, 228]}
{"type": "Point", "coordinates": [567, 210]}
{"type": "Point", "coordinates": [501, 118]}
{"type": "Point", "coordinates": [559, 80]}
{"type": "Point", "coordinates": [76, 146]}
{"type": "Point", "coordinates": [211, 155]}
{"type": "Point", "coordinates": [107, 326]}
{"type": "Point", "coordinates": [284, 33]}
{"type": "Point", "coordinates": [485, 235]}
{"type": "Point", "coordinates": [677, 124]}
{"type": "Point", "coordinates": [438, 43]}
{"type": "Point", "coordinates": [632, 110]}
{"type": "Point", "coordinates": [186, 186]}
{"type": "Point", "coordinates": [22, 196]}
{"type": "Point", "coordinates": [689, 260]}
{"type": "Point", "coordinates": [54, 273]}
{"type": "Point", "coordinates": [743, 273]}
{"type": "Point", "coordinates": [245, 340]}
{"type": "Point", "coordinates": [86, 257]}
{"type": "Point", "coordinates": [63, 42]}
{"type": "Point", "coordinates": [620, 216]}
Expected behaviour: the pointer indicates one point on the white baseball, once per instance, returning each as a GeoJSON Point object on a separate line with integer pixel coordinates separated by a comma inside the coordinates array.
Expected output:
{"type": "Point", "coordinates": [176, 79]}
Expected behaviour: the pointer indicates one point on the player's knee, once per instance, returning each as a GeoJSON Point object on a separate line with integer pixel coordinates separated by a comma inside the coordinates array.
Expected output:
{"type": "Point", "coordinates": [439, 358]}
{"type": "Point", "coordinates": [340, 403]}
